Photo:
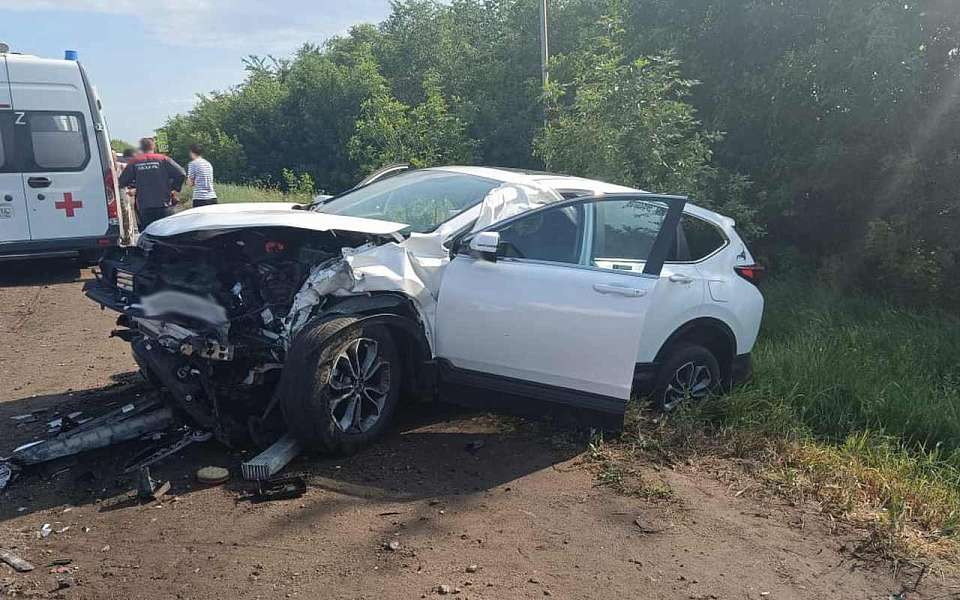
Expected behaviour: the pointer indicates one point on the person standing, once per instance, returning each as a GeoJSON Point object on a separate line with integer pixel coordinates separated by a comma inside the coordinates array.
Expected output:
{"type": "Point", "coordinates": [157, 179]}
{"type": "Point", "coordinates": [200, 174]}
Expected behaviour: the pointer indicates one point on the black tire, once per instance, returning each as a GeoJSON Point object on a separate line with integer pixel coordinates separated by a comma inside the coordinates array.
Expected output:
{"type": "Point", "coordinates": [315, 409]}
{"type": "Point", "coordinates": [686, 363]}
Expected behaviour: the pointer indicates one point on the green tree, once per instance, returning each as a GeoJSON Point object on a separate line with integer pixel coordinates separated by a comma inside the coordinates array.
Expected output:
{"type": "Point", "coordinates": [389, 131]}
{"type": "Point", "coordinates": [119, 146]}
{"type": "Point", "coordinates": [629, 122]}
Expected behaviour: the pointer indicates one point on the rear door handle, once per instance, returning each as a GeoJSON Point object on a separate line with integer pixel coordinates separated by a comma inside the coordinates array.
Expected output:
{"type": "Point", "coordinates": [680, 278]}
{"type": "Point", "coordinates": [605, 288]}
{"type": "Point", "coordinates": [39, 182]}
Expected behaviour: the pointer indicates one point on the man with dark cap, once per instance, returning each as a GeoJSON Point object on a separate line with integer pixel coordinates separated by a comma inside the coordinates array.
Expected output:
{"type": "Point", "coordinates": [157, 179]}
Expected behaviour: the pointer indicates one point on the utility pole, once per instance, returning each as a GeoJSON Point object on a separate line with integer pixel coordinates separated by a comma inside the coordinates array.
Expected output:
{"type": "Point", "coordinates": [544, 45]}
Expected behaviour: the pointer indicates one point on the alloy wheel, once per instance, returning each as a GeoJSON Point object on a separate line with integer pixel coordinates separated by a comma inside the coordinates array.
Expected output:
{"type": "Point", "coordinates": [691, 381]}
{"type": "Point", "coordinates": [360, 381]}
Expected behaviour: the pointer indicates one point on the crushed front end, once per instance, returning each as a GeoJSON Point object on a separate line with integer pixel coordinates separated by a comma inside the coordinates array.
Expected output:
{"type": "Point", "coordinates": [208, 315]}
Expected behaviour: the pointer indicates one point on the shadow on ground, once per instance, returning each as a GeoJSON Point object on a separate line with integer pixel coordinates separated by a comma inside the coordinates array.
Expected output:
{"type": "Point", "coordinates": [40, 272]}
{"type": "Point", "coordinates": [435, 450]}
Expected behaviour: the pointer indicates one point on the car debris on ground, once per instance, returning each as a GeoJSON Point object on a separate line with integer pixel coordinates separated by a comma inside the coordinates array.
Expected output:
{"type": "Point", "coordinates": [213, 475]}
{"type": "Point", "coordinates": [19, 565]}
{"type": "Point", "coordinates": [278, 488]}
{"type": "Point", "coordinates": [148, 489]}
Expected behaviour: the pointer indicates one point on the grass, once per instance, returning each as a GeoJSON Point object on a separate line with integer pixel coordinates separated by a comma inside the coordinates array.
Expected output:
{"type": "Point", "coordinates": [229, 192]}
{"type": "Point", "coordinates": [854, 404]}
{"type": "Point", "coordinates": [833, 365]}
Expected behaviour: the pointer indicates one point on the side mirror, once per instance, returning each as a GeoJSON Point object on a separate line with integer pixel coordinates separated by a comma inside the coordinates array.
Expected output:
{"type": "Point", "coordinates": [485, 241]}
{"type": "Point", "coordinates": [485, 244]}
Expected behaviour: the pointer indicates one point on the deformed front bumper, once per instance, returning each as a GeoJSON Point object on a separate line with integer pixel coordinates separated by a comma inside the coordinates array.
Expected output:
{"type": "Point", "coordinates": [104, 295]}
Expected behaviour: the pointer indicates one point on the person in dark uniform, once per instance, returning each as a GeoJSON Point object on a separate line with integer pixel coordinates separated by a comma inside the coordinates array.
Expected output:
{"type": "Point", "coordinates": [157, 179]}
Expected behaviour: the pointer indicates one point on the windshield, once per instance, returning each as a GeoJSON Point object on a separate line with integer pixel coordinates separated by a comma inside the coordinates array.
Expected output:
{"type": "Point", "coordinates": [421, 199]}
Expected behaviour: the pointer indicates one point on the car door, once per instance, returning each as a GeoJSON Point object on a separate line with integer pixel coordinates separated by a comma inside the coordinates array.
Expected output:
{"type": "Point", "coordinates": [14, 226]}
{"type": "Point", "coordinates": [62, 179]}
{"type": "Point", "coordinates": [548, 312]}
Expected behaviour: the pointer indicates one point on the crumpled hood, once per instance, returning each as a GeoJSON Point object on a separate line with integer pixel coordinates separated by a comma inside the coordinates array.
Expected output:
{"type": "Point", "coordinates": [242, 215]}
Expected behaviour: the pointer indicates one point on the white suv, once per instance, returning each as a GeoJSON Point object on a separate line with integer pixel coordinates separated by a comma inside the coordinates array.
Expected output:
{"type": "Point", "coordinates": [472, 284]}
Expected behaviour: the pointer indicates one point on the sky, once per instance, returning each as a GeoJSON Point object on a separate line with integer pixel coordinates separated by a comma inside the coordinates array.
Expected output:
{"type": "Point", "coordinates": [149, 60]}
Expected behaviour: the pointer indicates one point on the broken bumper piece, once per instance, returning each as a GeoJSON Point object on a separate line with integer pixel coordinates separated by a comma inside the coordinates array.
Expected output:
{"type": "Point", "coordinates": [124, 424]}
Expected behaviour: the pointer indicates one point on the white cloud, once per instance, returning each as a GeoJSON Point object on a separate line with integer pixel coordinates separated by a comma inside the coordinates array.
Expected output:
{"type": "Point", "coordinates": [254, 26]}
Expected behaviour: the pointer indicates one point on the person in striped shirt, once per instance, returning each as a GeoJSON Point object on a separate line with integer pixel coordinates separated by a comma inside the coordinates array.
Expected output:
{"type": "Point", "coordinates": [200, 174]}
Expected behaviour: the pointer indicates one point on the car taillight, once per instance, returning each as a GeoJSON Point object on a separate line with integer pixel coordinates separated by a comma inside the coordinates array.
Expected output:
{"type": "Point", "coordinates": [110, 186]}
{"type": "Point", "coordinates": [752, 273]}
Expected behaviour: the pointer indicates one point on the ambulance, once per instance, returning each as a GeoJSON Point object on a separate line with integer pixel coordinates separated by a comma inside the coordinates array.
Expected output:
{"type": "Point", "coordinates": [58, 183]}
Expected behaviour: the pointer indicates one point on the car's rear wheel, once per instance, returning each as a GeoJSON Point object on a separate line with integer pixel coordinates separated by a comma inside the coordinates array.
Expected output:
{"type": "Point", "coordinates": [341, 385]}
{"type": "Point", "coordinates": [690, 373]}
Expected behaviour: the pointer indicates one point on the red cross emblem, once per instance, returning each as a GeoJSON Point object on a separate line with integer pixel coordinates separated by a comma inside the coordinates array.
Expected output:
{"type": "Point", "coordinates": [68, 204]}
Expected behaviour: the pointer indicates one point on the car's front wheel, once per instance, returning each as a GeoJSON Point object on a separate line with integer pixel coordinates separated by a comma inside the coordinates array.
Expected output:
{"type": "Point", "coordinates": [690, 373]}
{"type": "Point", "coordinates": [341, 385]}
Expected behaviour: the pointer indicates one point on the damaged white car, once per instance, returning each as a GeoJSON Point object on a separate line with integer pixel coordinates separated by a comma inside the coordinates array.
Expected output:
{"type": "Point", "coordinates": [474, 285]}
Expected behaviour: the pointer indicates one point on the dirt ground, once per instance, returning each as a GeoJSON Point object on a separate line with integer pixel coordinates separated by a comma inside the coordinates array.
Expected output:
{"type": "Point", "coordinates": [487, 509]}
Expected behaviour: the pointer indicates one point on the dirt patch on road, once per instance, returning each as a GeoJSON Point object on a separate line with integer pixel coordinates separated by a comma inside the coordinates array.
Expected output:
{"type": "Point", "coordinates": [478, 507]}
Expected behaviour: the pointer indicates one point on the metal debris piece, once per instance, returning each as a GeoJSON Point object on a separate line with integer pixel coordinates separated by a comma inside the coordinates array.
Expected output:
{"type": "Point", "coordinates": [60, 562]}
{"type": "Point", "coordinates": [112, 428]}
{"type": "Point", "coordinates": [148, 489]}
{"type": "Point", "coordinates": [19, 565]}
{"type": "Point", "coordinates": [281, 488]}
{"type": "Point", "coordinates": [270, 462]}
{"type": "Point", "coordinates": [158, 453]}
{"type": "Point", "coordinates": [27, 418]}
{"type": "Point", "coordinates": [46, 530]}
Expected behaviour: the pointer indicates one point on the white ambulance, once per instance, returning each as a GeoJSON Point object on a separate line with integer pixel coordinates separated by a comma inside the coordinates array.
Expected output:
{"type": "Point", "coordinates": [58, 184]}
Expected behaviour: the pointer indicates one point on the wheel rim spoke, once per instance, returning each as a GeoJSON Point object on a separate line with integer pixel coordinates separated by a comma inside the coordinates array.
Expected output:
{"type": "Point", "coordinates": [340, 380]}
{"type": "Point", "coordinates": [346, 419]}
{"type": "Point", "coordinates": [364, 380]}
{"type": "Point", "coordinates": [689, 381]}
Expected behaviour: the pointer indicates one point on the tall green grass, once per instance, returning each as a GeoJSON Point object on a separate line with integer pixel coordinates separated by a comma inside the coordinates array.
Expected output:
{"type": "Point", "coordinates": [832, 365]}
{"type": "Point", "coordinates": [229, 192]}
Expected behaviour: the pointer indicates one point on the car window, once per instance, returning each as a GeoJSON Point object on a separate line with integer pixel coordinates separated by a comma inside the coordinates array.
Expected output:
{"type": "Point", "coordinates": [421, 199]}
{"type": "Point", "coordinates": [58, 141]}
{"type": "Point", "coordinates": [702, 238]}
{"type": "Point", "coordinates": [624, 232]}
{"type": "Point", "coordinates": [552, 235]}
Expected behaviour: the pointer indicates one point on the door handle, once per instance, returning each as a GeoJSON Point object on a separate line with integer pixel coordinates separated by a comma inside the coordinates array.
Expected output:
{"type": "Point", "coordinates": [39, 182]}
{"type": "Point", "coordinates": [606, 288]}
{"type": "Point", "coordinates": [8, 198]}
{"type": "Point", "coordinates": [680, 278]}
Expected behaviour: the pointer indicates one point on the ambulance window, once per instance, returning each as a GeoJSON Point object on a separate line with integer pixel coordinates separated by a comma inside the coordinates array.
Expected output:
{"type": "Point", "coordinates": [8, 155]}
{"type": "Point", "coordinates": [58, 141]}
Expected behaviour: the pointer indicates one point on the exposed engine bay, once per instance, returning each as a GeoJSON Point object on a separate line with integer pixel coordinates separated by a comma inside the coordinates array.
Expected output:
{"type": "Point", "coordinates": [208, 314]}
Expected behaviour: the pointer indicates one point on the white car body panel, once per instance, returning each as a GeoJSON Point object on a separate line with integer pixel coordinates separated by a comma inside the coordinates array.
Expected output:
{"type": "Point", "coordinates": [543, 323]}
